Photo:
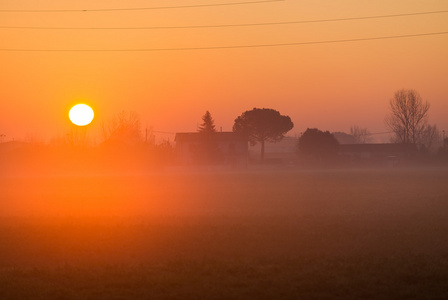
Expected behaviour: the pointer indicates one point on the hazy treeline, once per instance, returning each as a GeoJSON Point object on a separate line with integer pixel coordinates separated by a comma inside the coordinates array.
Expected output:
{"type": "Point", "coordinates": [124, 146]}
{"type": "Point", "coordinates": [37, 158]}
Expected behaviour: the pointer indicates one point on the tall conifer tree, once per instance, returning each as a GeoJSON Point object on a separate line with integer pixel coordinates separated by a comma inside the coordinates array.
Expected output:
{"type": "Point", "coordinates": [208, 124]}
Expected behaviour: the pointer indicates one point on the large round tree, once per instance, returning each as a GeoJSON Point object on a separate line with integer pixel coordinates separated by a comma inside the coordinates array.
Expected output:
{"type": "Point", "coordinates": [319, 145]}
{"type": "Point", "coordinates": [261, 125]}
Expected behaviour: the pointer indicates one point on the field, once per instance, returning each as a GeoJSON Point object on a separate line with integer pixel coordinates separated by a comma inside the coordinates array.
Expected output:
{"type": "Point", "coordinates": [266, 234]}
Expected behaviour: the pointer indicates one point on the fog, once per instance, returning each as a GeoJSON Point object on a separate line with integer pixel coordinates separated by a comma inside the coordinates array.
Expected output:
{"type": "Point", "coordinates": [74, 215]}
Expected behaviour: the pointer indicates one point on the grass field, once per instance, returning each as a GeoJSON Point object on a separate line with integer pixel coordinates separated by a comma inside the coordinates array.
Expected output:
{"type": "Point", "coordinates": [278, 234]}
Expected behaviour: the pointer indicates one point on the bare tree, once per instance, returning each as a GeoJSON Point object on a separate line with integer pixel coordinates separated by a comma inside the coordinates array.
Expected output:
{"type": "Point", "coordinates": [77, 136]}
{"type": "Point", "coordinates": [408, 116]}
{"type": "Point", "coordinates": [430, 137]}
{"type": "Point", "coordinates": [361, 135]}
{"type": "Point", "coordinates": [124, 128]}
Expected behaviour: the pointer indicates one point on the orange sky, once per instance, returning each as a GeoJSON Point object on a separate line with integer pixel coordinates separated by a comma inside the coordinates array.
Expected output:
{"type": "Point", "coordinates": [328, 86]}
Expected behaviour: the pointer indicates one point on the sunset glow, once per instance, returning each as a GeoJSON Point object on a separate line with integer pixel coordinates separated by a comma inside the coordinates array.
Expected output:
{"type": "Point", "coordinates": [223, 149]}
{"type": "Point", "coordinates": [331, 86]}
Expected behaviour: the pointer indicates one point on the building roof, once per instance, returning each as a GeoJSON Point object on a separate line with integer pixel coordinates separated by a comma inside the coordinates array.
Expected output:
{"type": "Point", "coordinates": [372, 148]}
{"type": "Point", "coordinates": [217, 136]}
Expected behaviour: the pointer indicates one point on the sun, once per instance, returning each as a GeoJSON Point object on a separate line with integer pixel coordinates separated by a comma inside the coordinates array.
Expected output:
{"type": "Point", "coordinates": [81, 114]}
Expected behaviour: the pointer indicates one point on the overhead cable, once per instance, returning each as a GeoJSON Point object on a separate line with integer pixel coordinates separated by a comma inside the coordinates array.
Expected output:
{"type": "Point", "coordinates": [228, 47]}
{"type": "Point", "coordinates": [132, 8]}
{"type": "Point", "coordinates": [233, 25]}
{"type": "Point", "coordinates": [377, 133]}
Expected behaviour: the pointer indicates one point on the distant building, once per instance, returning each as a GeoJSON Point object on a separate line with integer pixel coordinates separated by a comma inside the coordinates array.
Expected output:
{"type": "Point", "coordinates": [218, 148]}
{"type": "Point", "coordinates": [376, 154]}
{"type": "Point", "coordinates": [344, 138]}
{"type": "Point", "coordinates": [281, 152]}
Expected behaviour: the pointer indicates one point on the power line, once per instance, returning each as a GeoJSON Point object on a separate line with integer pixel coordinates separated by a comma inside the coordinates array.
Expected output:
{"type": "Point", "coordinates": [164, 132]}
{"type": "Point", "coordinates": [233, 25]}
{"type": "Point", "coordinates": [134, 8]}
{"type": "Point", "coordinates": [376, 133]}
{"type": "Point", "coordinates": [228, 47]}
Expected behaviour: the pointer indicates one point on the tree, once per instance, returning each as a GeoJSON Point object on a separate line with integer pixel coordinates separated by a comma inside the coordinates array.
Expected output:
{"type": "Point", "coordinates": [361, 135]}
{"type": "Point", "coordinates": [408, 116]}
{"type": "Point", "coordinates": [208, 124]}
{"type": "Point", "coordinates": [261, 125]}
{"type": "Point", "coordinates": [319, 145]}
{"type": "Point", "coordinates": [207, 150]}
{"type": "Point", "coordinates": [430, 137]}
{"type": "Point", "coordinates": [123, 129]}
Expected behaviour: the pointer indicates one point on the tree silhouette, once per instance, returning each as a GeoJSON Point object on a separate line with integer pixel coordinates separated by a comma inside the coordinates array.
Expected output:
{"type": "Point", "coordinates": [207, 150]}
{"type": "Point", "coordinates": [261, 125]}
{"type": "Point", "coordinates": [408, 116]}
{"type": "Point", "coordinates": [361, 135]}
{"type": "Point", "coordinates": [429, 137]}
{"type": "Point", "coordinates": [319, 145]}
{"type": "Point", "coordinates": [208, 124]}
{"type": "Point", "coordinates": [123, 129]}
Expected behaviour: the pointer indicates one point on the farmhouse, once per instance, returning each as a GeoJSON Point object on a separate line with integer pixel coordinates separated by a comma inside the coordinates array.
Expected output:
{"type": "Point", "coordinates": [218, 148]}
{"type": "Point", "coordinates": [281, 152]}
{"type": "Point", "coordinates": [376, 154]}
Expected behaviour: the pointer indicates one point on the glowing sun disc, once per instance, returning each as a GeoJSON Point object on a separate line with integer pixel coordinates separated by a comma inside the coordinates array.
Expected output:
{"type": "Point", "coordinates": [81, 114]}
